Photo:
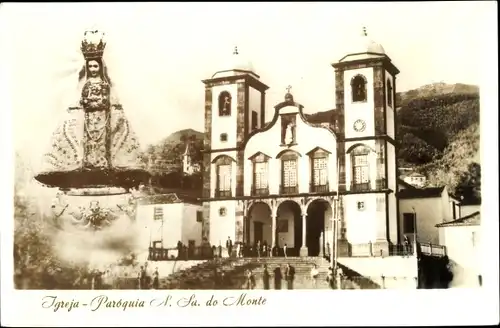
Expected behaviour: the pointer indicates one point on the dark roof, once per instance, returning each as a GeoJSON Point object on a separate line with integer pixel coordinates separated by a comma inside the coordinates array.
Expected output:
{"type": "Point", "coordinates": [159, 199]}
{"type": "Point", "coordinates": [430, 192]}
{"type": "Point", "coordinates": [468, 220]}
{"type": "Point", "coordinates": [154, 195]}
{"type": "Point", "coordinates": [470, 201]}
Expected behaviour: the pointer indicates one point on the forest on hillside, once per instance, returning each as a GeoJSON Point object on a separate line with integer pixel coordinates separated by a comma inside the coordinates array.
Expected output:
{"type": "Point", "coordinates": [438, 136]}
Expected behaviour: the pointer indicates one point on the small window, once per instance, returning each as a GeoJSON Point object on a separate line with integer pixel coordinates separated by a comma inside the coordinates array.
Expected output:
{"type": "Point", "coordinates": [222, 211]}
{"type": "Point", "coordinates": [389, 93]}
{"type": "Point", "coordinates": [361, 206]}
{"type": "Point", "coordinates": [255, 118]}
{"type": "Point", "coordinates": [158, 213]}
{"type": "Point", "coordinates": [408, 223]}
{"type": "Point", "coordinates": [199, 216]}
{"type": "Point", "coordinates": [223, 137]}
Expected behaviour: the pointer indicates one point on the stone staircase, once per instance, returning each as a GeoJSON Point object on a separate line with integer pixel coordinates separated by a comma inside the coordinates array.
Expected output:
{"type": "Point", "coordinates": [202, 276]}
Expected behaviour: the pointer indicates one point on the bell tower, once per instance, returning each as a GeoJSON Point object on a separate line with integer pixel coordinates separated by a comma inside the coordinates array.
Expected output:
{"type": "Point", "coordinates": [365, 95]}
{"type": "Point", "coordinates": [234, 108]}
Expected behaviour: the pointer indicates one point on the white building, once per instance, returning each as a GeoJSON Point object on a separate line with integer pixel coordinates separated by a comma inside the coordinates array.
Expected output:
{"type": "Point", "coordinates": [421, 209]}
{"type": "Point", "coordinates": [462, 238]}
{"type": "Point", "coordinates": [277, 183]}
{"type": "Point", "coordinates": [188, 167]}
{"type": "Point", "coordinates": [415, 179]}
{"type": "Point", "coordinates": [167, 219]}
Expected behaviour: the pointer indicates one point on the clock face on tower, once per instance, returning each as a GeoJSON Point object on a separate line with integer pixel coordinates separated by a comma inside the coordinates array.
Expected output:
{"type": "Point", "coordinates": [359, 125]}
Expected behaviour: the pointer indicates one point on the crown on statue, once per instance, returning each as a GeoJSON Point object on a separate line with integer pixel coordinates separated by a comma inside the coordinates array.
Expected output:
{"type": "Point", "coordinates": [93, 44]}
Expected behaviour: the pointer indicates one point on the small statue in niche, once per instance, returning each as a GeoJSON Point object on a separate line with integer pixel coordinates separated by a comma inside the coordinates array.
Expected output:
{"type": "Point", "coordinates": [225, 104]}
{"type": "Point", "coordinates": [288, 131]}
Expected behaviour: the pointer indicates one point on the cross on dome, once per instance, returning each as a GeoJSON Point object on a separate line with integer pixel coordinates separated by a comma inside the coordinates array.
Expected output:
{"type": "Point", "coordinates": [288, 88]}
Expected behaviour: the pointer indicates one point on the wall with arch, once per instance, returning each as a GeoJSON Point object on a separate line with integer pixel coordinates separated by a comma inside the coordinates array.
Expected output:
{"type": "Point", "coordinates": [214, 175]}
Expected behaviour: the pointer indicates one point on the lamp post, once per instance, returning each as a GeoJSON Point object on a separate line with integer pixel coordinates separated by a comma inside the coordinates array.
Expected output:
{"type": "Point", "coordinates": [333, 252]}
{"type": "Point", "coordinates": [414, 229]}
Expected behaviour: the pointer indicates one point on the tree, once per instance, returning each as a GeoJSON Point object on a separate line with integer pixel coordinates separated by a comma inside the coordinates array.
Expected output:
{"type": "Point", "coordinates": [35, 263]}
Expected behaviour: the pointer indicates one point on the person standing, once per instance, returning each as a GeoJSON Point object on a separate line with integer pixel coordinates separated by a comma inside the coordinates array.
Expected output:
{"type": "Point", "coordinates": [156, 279]}
{"type": "Point", "coordinates": [406, 247]}
{"type": "Point", "coordinates": [330, 278]}
{"type": "Point", "coordinates": [238, 250]}
{"type": "Point", "coordinates": [284, 250]}
{"type": "Point", "coordinates": [265, 278]}
{"type": "Point", "coordinates": [340, 277]}
{"type": "Point", "coordinates": [277, 278]}
{"type": "Point", "coordinates": [289, 275]}
{"type": "Point", "coordinates": [250, 280]}
{"type": "Point", "coordinates": [229, 246]}
{"type": "Point", "coordinates": [257, 248]}
{"type": "Point", "coordinates": [314, 275]}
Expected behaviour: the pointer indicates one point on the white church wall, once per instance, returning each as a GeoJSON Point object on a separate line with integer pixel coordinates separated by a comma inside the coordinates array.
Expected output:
{"type": "Point", "coordinates": [307, 137]}
{"type": "Point", "coordinates": [222, 226]}
{"type": "Point", "coordinates": [391, 167]}
{"type": "Point", "coordinates": [361, 226]}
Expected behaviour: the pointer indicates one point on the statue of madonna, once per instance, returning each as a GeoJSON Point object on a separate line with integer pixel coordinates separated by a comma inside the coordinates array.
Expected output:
{"type": "Point", "coordinates": [94, 147]}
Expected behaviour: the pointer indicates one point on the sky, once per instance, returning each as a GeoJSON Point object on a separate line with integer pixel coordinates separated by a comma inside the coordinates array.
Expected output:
{"type": "Point", "coordinates": [158, 54]}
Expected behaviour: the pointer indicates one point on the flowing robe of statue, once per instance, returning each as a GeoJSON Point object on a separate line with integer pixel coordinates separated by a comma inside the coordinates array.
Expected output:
{"type": "Point", "coordinates": [96, 137]}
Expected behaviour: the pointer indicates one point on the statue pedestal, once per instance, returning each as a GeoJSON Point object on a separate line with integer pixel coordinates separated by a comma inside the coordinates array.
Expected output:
{"type": "Point", "coordinates": [304, 252]}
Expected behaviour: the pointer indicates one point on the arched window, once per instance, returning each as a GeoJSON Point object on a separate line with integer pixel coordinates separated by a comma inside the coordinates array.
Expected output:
{"type": "Point", "coordinates": [358, 88]}
{"type": "Point", "coordinates": [289, 183]}
{"type": "Point", "coordinates": [224, 104]}
{"type": "Point", "coordinates": [360, 168]}
{"type": "Point", "coordinates": [223, 137]}
{"type": "Point", "coordinates": [389, 92]}
{"type": "Point", "coordinates": [223, 170]}
{"type": "Point", "coordinates": [260, 183]}
{"type": "Point", "coordinates": [319, 170]}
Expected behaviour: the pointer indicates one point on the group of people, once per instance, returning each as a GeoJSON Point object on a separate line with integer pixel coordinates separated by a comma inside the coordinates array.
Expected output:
{"type": "Point", "coordinates": [288, 274]}
{"type": "Point", "coordinates": [146, 281]}
{"type": "Point", "coordinates": [257, 249]}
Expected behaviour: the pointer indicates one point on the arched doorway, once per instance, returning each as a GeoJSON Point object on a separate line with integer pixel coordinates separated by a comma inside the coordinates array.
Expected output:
{"type": "Point", "coordinates": [289, 227]}
{"type": "Point", "coordinates": [260, 224]}
{"type": "Point", "coordinates": [319, 213]}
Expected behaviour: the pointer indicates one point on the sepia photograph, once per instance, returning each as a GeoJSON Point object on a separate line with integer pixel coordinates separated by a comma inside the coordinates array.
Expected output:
{"type": "Point", "coordinates": [254, 147]}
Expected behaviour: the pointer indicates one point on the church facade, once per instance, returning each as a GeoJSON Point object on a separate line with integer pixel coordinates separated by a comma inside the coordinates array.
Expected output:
{"type": "Point", "coordinates": [283, 182]}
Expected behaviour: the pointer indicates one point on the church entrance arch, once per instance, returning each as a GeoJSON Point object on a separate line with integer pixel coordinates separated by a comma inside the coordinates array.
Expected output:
{"type": "Point", "coordinates": [319, 214]}
{"type": "Point", "coordinates": [289, 227]}
{"type": "Point", "coordinates": [260, 224]}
